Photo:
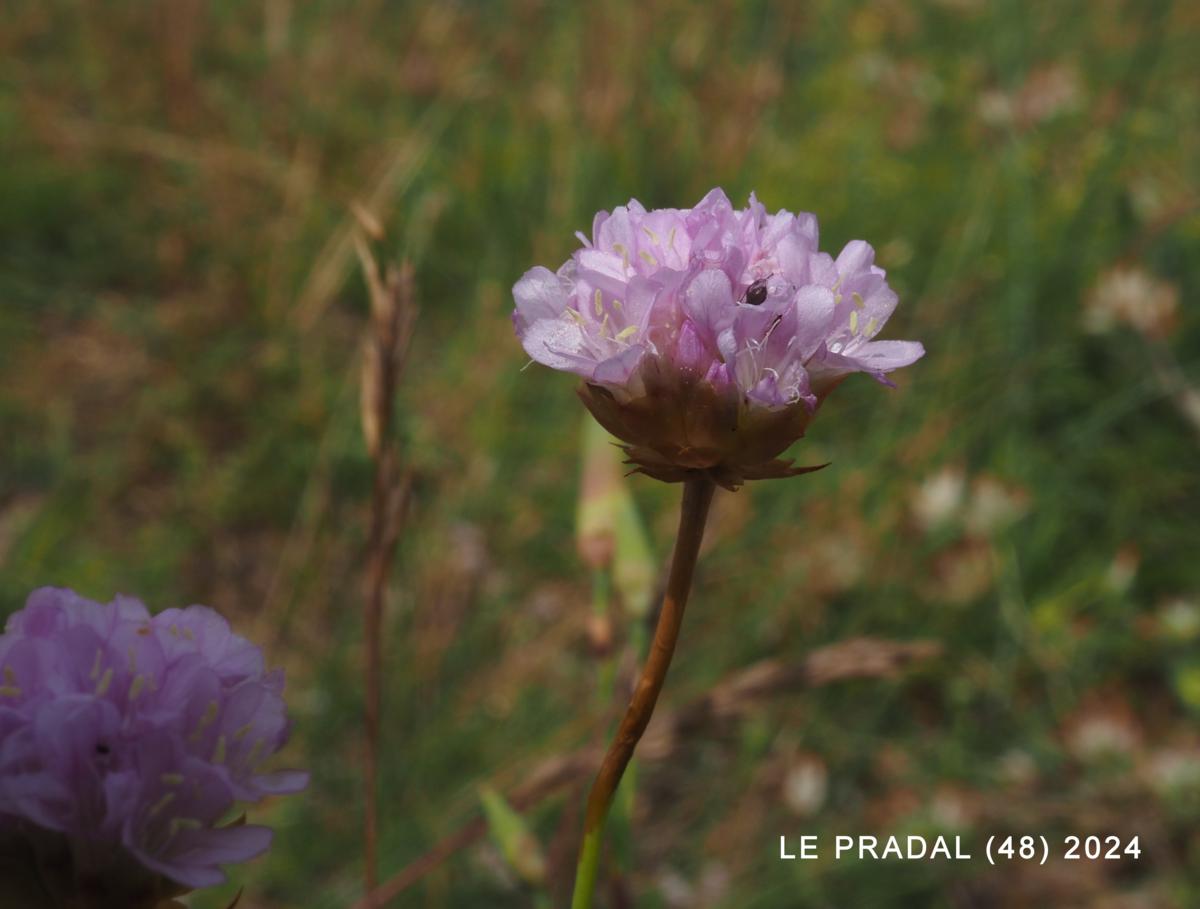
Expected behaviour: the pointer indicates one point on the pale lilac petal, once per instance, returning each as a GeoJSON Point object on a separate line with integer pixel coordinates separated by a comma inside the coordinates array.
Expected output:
{"type": "Point", "coordinates": [539, 295]}
{"type": "Point", "coordinates": [814, 309]}
{"type": "Point", "coordinates": [282, 782]}
{"type": "Point", "coordinates": [856, 256]}
{"type": "Point", "coordinates": [884, 356]}
{"type": "Point", "coordinates": [618, 370]}
{"type": "Point", "coordinates": [708, 303]}
{"type": "Point", "coordinates": [557, 343]}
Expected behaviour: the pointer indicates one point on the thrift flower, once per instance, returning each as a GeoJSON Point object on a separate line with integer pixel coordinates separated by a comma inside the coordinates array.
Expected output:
{"type": "Point", "coordinates": [126, 739]}
{"type": "Point", "coordinates": [708, 337]}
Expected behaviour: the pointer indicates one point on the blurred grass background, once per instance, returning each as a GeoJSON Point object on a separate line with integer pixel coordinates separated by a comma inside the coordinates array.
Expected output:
{"type": "Point", "coordinates": [180, 325]}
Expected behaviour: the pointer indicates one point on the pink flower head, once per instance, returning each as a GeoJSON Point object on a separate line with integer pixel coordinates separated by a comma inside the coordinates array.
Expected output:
{"type": "Point", "coordinates": [126, 739]}
{"type": "Point", "coordinates": [708, 337]}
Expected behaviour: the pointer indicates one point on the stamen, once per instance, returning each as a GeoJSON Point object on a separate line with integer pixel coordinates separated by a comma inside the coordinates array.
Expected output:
{"type": "Point", "coordinates": [854, 321]}
{"type": "Point", "coordinates": [255, 752]}
{"type": "Point", "coordinates": [10, 688]}
{"type": "Point", "coordinates": [139, 682]}
{"type": "Point", "coordinates": [105, 681]}
{"type": "Point", "coordinates": [858, 300]}
{"type": "Point", "coordinates": [620, 248]}
{"type": "Point", "coordinates": [770, 328]}
{"type": "Point", "coordinates": [598, 302]}
{"type": "Point", "coordinates": [627, 332]}
{"type": "Point", "coordinates": [162, 803]}
{"type": "Point", "coordinates": [182, 823]}
{"type": "Point", "coordinates": [648, 259]}
{"type": "Point", "coordinates": [210, 715]}
{"type": "Point", "coordinates": [96, 665]}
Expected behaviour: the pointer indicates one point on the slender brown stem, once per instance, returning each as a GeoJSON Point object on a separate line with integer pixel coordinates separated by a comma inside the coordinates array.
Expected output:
{"type": "Point", "coordinates": [858, 658]}
{"type": "Point", "coordinates": [697, 495]}
{"type": "Point", "coordinates": [377, 572]}
{"type": "Point", "coordinates": [391, 329]}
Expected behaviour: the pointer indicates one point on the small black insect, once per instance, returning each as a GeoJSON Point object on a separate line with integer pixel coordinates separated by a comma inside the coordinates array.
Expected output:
{"type": "Point", "coordinates": [756, 293]}
{"type": "Point", "coordinates": [102, 749]}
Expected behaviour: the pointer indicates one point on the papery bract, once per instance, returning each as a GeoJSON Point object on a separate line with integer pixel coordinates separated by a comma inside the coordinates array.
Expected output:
{"type": "Point", "coordinates": [708, 337]}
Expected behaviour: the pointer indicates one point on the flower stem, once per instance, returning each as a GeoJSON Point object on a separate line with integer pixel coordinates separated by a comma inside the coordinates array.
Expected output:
{"type": "Point", "coordinates": [697, 495]}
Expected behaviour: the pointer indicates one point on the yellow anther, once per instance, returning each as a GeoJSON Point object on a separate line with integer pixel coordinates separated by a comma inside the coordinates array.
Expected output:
{"type": "Point", "coordinates": [162, 803]}
{"type": "Point", "coordinates": [10, 688]}
{"type": "Point", "coordinates": [598, 302]}
{"type": "Point", "coordinates": [241, 731]}
{"type": "Point", "coordinates": [627, 332]}
{"type": "Point", "coordinates": [872, 325]}
{"type": "Point", "coordinates": [620, 249]}
{"type": "Point", "coordinates": [575, 314]}
{"type": "Point", "coordinates": [854, 321]}
{"type": "Point", "coordinates": [183, 823]}
{"type": "Point", "coordinates": [671, 238]}
{"type": "Point", "coordinates": [651, 234]}
{"type": "Point", "coordinates": [96, 665]}
{"type": "Point", "coordinates": [648, 259]}
{"type": "Point", "coordinates": [858, 300]}
{"type": "Point", "coordinates": [187, 633]}
{"type": "Point", "coordinates": [105, 681]}
{"type": "Point", "coordinates": [219, 752]}
{"type": "Point", "coordinates": [255, 752]}
{"type": "Point", "coordinates": [173, 630]}
{"type": "Point", "coordinates": [139, 682]}
{"type": "Point", "coordinates": [209, 717]}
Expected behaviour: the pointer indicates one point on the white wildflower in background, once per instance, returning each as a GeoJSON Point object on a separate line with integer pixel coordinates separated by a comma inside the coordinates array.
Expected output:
{"type": "Point", "coordinates": [1098, 734]}
{"type": "Point", "coordinates": [994, 505]}
{"type": "Point", "coordinates": [1180, 619]}
{"type": "Point", "coordinates": [806, 785]}
{"type": "Point", "coordinates": [1173, 771]}
{"type": "Point", "coordinates": [1129, 295]}
{"type": "Point", "coordinates": [939, 498]}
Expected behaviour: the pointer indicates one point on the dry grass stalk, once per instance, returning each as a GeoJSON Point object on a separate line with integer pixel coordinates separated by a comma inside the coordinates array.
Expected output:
{"type": "Point", "coordinates": [393, 315]}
